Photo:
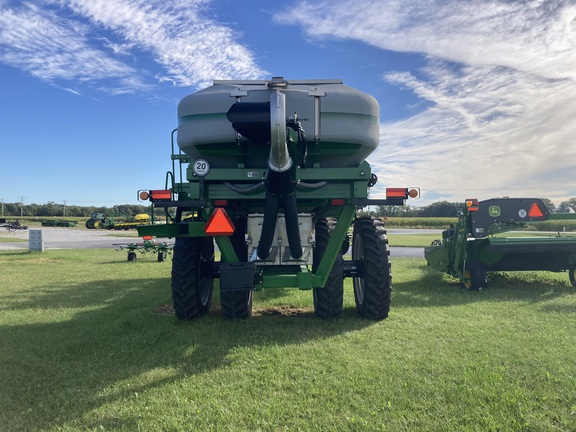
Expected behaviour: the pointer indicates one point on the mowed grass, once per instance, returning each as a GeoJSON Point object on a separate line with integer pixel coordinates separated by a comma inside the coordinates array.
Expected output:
{"type": "Point", "coordinates": [88, 343]}
{"type": "Point", "coordinates": [412, 240]}
{"type": "Point", "coordinates": [423, 240]}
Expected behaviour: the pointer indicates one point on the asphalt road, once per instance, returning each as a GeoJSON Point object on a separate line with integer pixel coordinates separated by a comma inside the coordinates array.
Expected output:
{"type": "Point", "coordinates": [66, 238]}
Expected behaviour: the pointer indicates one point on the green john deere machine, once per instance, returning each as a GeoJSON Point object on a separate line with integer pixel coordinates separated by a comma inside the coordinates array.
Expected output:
{"type": "Point", "coordinates": [274, 172]}
{"type": "Point", "coordinates": [473, 247]}
{"type": "Point", "coordinates": [116, 220]}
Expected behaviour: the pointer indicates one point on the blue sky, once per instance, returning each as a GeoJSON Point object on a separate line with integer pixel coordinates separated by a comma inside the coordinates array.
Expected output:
{"type": "Point", "coordinates": [477, 97]}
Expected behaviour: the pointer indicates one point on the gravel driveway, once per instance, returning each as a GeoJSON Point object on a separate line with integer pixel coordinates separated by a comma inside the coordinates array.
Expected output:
{"type": "Point", "coordinates": [66, 238]}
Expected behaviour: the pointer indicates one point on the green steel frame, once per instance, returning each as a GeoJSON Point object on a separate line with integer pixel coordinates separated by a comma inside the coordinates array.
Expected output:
{"type": "Point", "coordinates": [199, 196]}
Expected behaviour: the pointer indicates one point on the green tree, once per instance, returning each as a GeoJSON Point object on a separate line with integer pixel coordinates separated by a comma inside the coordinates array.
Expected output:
{"type": "Point", "coordinates": [549, 204]}
{"type": "Point", "coordinates": [442, 209]}
{"type": "Point", "coordinates": [568, 206]}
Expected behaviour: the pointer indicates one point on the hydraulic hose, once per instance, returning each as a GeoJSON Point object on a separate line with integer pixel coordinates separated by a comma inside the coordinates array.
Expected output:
{"type": "Point", "coordinates": [245, 189]}
{"type": "Point", "coordinates": [316, 185]}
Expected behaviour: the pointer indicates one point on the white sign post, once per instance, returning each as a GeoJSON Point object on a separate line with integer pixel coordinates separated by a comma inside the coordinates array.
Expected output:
{"type": "Point", "coordinates": [35, 242]}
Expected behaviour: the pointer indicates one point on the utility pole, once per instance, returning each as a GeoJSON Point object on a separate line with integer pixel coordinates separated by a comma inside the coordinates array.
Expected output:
{"type": "Point", "coordinates": [64, 215]}
{"type": "Point", "coordinates": [21, 207]}
{"type": "Point", "coordinates": [2, 201]}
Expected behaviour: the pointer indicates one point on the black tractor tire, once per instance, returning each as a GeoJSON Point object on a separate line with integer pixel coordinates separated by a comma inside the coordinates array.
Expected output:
{"type": "Point", "coordinates": [474, 276]}
{"type": "Point", "coordinates": [328, 300]}
{"type": "Point", "coordinates": [161, 256]}
{"type": "Point", "coordinates": [131, 256]}
{"type": "Point", "coordinates": [237, 304]}
{"type": "Point", "coordinates": [373, 290]}
{"type": "Point", "coordinates": [191, 293]}
{"type": "Point", "coordinates": [572, 274]}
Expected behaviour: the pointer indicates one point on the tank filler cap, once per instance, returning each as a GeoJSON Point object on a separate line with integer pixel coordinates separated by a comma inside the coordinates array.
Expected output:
{"type": "Point", "coordinates": [277, 82]}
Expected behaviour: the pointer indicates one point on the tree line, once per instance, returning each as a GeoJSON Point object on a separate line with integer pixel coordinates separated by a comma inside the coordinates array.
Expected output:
{"type": "Point", "coordinates": [52, 209]}
{"type": "Point", "coordinates": [437, 209]}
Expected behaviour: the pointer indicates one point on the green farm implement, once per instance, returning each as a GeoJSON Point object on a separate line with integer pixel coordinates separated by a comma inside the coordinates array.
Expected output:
{"type": "Point", "coordinates": [147, 245]}
{"type": "Point", "coordinates": [117, 220]}
{"type": "Point", "coordinates": [474, 246]}
{"type": "Point", "coordinates": [274, 172]}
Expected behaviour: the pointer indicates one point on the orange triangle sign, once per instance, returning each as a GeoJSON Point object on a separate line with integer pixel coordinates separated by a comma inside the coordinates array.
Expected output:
{"type": "Point", "coordinates": [535, 211]}
{"type": "Point", "coordinates": [219, 223]}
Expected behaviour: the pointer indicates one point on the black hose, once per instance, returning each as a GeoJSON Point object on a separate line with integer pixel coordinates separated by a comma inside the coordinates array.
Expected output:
{"type": "Point", "coordinates": [245, 189]}
{"type": "Point", "coordinates": [268, 225]}
{"type": "Point", "coordinates": [292, 230]}
{"type": "Point", "coordinates": [316, 185]}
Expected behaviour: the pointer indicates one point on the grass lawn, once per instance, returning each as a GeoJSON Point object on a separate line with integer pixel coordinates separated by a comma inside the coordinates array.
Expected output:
{"type": "Point", "coordinates": [88, 343]}
{"type": "Point", "coordinates": [423, 240]}
{"type": "Point", "coordinates": [12, 240]}
{"type": "Point", "coordinates": [412, 240]}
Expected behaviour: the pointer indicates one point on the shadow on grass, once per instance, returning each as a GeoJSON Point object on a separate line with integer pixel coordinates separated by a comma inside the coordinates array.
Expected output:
{"type": "Point", "coordinates": [435, 289]}
{"type": "Point", "coordinates": [71, 350]}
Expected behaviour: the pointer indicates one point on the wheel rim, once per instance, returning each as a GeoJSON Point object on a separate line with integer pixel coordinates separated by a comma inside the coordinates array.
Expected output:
{"type": "Point", "coordinates": [358, 255]}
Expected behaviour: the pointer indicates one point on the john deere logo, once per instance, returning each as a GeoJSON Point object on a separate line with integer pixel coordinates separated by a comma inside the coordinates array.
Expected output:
{"type": "Point", "coordinates": [494, 211]}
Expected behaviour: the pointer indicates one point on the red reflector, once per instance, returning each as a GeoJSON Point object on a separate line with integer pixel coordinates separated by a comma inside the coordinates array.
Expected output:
{"type": "Point", "coordinates": [219, 223]}
{"type": "Point", "coordinates": [220, 203]}
{"type": "Point", "coordinates": [156, 195]}
{"type": "Point", "coordinates": [396, 192]}
{"type": "Point", "coordinates": [147, 237]}
{"type": "Point", "coordinates": [535, 211]}
{"type": "Point", "coordinates": [472, 205]}
{"type": "Point", "coordinates": [338, 202]}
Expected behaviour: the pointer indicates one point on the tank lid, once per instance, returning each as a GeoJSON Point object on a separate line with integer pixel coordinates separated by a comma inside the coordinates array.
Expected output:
{"type": "Point", "coordinates": [277, 81]}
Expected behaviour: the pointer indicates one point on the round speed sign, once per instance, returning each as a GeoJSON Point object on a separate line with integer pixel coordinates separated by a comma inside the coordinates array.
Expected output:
{"type": "Point", "coordinates": [201, 167]}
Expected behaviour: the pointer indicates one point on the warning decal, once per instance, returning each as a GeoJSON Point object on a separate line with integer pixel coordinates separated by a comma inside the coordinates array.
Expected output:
{"type": "Point", "coordinates": [535, 211]}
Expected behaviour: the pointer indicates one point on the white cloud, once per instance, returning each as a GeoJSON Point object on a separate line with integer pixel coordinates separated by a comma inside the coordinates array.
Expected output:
{"type": "Point", "coordinates": [191, 48]}
{"type": "Point", "coordinates": [501, 78]}
{"type": "Point", "coordinates": [51, 48]}
{"type": "Point", "coordinates": [104, 43]}
{"type": "Point", "coordinates": [75, 92]}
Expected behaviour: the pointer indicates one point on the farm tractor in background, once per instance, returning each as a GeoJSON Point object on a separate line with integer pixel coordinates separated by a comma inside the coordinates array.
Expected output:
{"type": "Point", "coordinates": [470, 248]}
{"type": "Point", "coordinates": [275, 172]}
{"type": "Point", "coordinates": [117, 220]}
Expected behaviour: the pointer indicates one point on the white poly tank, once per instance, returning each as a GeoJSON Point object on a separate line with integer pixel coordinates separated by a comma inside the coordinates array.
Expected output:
{"type": "Point", "coordinates": [340, 122]}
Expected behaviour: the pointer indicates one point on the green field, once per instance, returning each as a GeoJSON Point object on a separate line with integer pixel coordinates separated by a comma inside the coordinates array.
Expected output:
{"type": "Point", "coordinates": [89, 343]}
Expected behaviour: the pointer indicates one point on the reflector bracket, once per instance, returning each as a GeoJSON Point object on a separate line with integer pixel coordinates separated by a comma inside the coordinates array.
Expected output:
{"type": "Point", "coordinates": [160, 195]}
{"type": "Point", "coordinates": [396, 192]}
